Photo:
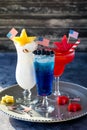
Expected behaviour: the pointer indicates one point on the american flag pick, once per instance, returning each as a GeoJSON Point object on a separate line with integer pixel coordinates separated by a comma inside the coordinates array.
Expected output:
{"type": "Point", "coordinates": [13, 32]}
{"type": "Point", "coordinates": [43, 41]}
{"type": "Point", "coordinates": [73, 34]}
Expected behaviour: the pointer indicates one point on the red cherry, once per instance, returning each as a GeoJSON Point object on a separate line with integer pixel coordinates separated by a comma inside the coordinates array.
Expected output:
{"type": "Point", "coordinates": [62, 100]}
{"type": "Point", "coordinates": [73, 107]}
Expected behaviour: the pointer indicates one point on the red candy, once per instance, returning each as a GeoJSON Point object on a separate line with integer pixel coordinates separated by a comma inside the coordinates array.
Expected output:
{"type": "Point", "coordinates": [62, 100]}
{"type": "Point", "coordinates": [73, 107]}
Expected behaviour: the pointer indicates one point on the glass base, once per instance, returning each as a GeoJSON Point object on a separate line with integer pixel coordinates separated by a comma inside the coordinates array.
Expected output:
{"type": "Point", "coordinates": [57, 94]}
{"type": "Point", "coordinates": [54, 96]}
{"type": "Point", "coordinates": [22, 101]}
{"type": "Point", "coordinates": [31, 102]}
{"type": "Point", "coordinates": [41, 108]}
{"type": "Point", "coordinates": [27, 102]}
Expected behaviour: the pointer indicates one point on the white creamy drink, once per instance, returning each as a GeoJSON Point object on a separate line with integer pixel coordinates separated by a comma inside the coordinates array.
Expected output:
{"type": "Point", "coordinates": [25, 73]}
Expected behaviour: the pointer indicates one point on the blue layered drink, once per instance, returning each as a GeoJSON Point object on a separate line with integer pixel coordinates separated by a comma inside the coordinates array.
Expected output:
{"type": "Point", "coordinates": [44, 65]}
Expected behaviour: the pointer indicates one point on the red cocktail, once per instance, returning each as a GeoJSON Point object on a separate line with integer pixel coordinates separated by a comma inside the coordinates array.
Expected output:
{"type": "Point", "coordinates": [61, 59]}
{"type": "Point", "coordinates": [64, 54]}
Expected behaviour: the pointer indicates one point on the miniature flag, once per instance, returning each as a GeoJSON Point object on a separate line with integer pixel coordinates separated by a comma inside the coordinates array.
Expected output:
{"type": "Point", "coordinates": [73, 34]}
{"type": "Point", "coordinates": [43, 41]}
{"type": "Point", "coordinates": [13, 32]}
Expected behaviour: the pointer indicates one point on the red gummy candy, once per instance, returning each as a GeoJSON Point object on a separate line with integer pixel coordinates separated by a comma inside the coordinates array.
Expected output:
{"type": "Point", "coordinates": [62, 100]}
{"type": "Point", "coordinates": [73, 107]}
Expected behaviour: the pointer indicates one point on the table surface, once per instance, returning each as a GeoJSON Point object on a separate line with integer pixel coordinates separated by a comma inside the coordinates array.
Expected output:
{"type": "Point", "coordinates": [75, 72]}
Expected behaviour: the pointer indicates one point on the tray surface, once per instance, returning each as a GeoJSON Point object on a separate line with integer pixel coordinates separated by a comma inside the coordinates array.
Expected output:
{"type": "Point", "coordinates": [60, 113]}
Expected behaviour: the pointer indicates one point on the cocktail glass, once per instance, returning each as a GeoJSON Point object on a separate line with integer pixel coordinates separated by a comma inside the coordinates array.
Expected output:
{"type": "Point", "coordinates": [60, 61]}
{"type": "Point", "coordinates": [25, 72]}
{"type": "Point", "coordinates": [44, 66]}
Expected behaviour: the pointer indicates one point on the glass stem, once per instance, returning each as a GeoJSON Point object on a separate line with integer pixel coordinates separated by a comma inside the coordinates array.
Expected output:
{"type": "Point", "coordinates": [45, 102]}
{"type": "Point", "coordinates": [27, 95]}
{"type": "Point", "coordinates": [56, 85]}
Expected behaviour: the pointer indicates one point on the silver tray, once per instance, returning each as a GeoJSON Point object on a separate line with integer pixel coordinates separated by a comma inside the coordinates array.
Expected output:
{"type": "Point", "coordinates": [60, 113]}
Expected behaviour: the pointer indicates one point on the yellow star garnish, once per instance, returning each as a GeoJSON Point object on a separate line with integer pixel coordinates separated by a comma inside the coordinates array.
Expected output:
{"type": "Point", "coordinates": [24, 38]}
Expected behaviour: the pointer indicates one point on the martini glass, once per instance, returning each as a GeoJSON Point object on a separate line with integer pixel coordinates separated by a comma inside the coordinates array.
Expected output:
{"type": "Point", "coordinates": [44, 66]}
{"type": "Point", "coordinates": [60, 62]}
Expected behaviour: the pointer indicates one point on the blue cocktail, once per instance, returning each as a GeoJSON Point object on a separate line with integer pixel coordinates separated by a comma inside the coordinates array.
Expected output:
{"type": "Point", "coordinates": [44, 74]}
{"type": "Point", "coordinates": [44, 66]}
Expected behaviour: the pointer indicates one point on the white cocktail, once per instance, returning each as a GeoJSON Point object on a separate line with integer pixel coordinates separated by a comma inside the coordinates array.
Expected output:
{"type": "Point", "coordinates": [25, 73]}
